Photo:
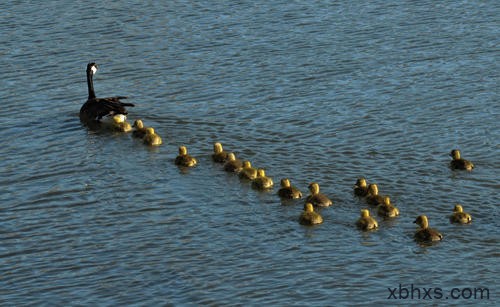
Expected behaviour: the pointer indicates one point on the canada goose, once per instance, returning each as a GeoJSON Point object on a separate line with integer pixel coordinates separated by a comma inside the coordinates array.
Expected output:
{"type": "Point", "coordinates": [94, 109]}
{"type": "Point", "coordinates": [288, 191]}
{"type": "Point", "coordinates": [386, 209]}
{"type": "Point", "coordinates": [183, 159]}
{"type": "Point", "coordinates": [316, 198]}
{"type": "Point", "coordinates": [248, 172]}
{"type": "Point", "coordinates": [119, 123]}
{"type": "Point", "coordinates": [232, 164]}
{"type": "Point", "coordinates": [309, 217]}
{"type": "Point", "coordinates": [262, 182]}
{"type": "Point", "coordinates": [426, 234]}
{"type": "Point", "coordinates": [361, 188]}
{"type": "Point", "coordinates": [459, 163]}
{"type": "Point", "coordinates": [139, 129]}
{"type": "Point", "coordinates": [219, 154]}
{"type": "Point", "coordinates": [366, 222]}
{"type": "Point", "coordinates": [151, 138]}
{"type": "Point", "coordinates": [373, 198]}
{"type": "Point", "coordinates": [459, 216]}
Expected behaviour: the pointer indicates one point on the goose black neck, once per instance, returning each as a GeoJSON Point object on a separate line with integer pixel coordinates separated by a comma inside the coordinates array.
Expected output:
{"type": "Point", "coordinates": [90, 83]}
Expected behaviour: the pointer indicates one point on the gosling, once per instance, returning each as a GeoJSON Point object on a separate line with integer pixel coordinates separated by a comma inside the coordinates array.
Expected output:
{"type": "Point", "coordinates": [219, 154]}
{"type": "Point", "coordinates": [459, 216]}
{"type": "Point", "coordinates": [232, 164]}
{"type": "Point", "coordinates": [316, 198]}
{"type": "Point", "coordinates": [288, 191]}
{"type": "Point", "coordinates": [361, 188]}
{"type": "Point", "coordinates": [366, 222]}
{"type": "Point", "coordinates": [248, 172]}
{"type": "Point", "coordinates": [151, 138]}
{"type": "Point", "coordinates": [459, 163]}
{"type": "Point", "coordinates": [426, 234]}
{"type": "Point", "coordinates": [386, 209]}
{"type": "Point", "coordinates": [139, 129]}
{"type": "Point", "coordinates": [373, 198]}
{"type": "Point", "coordinates": [309, 217]}
{"type": "Point", "coordinates": [184, 159]}
{"type": "Point", "coordinates": [119, 123]}
{"type": "Point", "coordinates": [262, 182]}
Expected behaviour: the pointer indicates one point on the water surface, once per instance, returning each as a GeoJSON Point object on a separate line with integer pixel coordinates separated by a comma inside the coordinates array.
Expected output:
{"type": "Point", "coordinates": [310, 91]}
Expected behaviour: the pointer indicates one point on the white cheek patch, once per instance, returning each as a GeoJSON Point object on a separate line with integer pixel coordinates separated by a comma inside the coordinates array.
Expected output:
{"type": "Point", "coordinates": [94, 69]}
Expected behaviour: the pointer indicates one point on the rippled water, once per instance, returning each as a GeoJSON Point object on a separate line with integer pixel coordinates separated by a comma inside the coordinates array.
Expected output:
{"type": "Point", "coordinates": [313, 91]}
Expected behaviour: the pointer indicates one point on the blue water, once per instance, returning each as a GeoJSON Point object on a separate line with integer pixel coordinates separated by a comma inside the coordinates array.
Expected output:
{"type": "Point", "coordinates": [312, 91]}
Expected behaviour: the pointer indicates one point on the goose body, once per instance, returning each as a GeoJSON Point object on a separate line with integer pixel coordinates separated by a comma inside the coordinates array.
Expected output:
{"type": "Point", "coordinates": [94, 109]}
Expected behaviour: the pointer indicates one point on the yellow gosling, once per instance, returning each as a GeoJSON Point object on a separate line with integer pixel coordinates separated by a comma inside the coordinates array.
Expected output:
{"type": "Point", "coordinates": [459, 216]}
{"type": "Point", "coordinates": [288, 191]}
{"type": "Point", "coordinates": [119, 123]}
{"type": "Point", "coordinates": [366, 222]}
{"type": "Point", "coordinates": [151, 138]}
{"type": "Point", "coordinates": [248, 172]}
{"type": "Point", "coordinates": [139, 129]}
{"type": "Point", "coordinates": [426, 234]}
{"type": "Point", "coordinates": [459, 163]}
{"type": "Point", "coordinates": [219, 154]}
{"type": "Point", "coordinates": [361, 187]}
{"type": "Point", "coordinates": [373, 198]}
{"type": "Point", "coordinates": [386, 209]}
{"type": "Point", "coordinates": [262, 182]}
{"type": "Point", "coordinates": [232, 164]}
{"type": "Point", "coordinates": [309, 217]}
{"type": "Point", "coordinates": [183, 159]}
{"type": "Point", "coordinates": [316, 198]}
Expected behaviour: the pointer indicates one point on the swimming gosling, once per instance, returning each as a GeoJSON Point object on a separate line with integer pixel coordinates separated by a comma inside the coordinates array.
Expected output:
{"type": "Point", "coordinates": [373, 198]}
{"type": "Point", "coordinates": [248, 172]}
{"type": "Point", "coordinates": [184, 159]}
{"type": "Point", "coordinates": [366, 222]}
{"type": "Point", "coordinates": [386, 209]}
{"type": "Point", "coordinates": [151, 138]}
{"type": "Point", "coordinates": [426, 234]}
{"type": "Point", "coordinates": [288, 191]}
{"type": "Point", "coordinates": [262, 182]}
{"type": "Point", "coordinates": [459, 216]}
{"type": "Point", "coordinates": [316, 198]}
{"type": "Point", "coordinates": [309, 217]}
{"type": "Point", "coordinates": [139, 129]}
{"type": "Point", "coordinates": [219, 154]}
{"type": "Point", "coordinates": [459, 163]}
{"type": "Point", "coordinates": [119, 123]}
{"type": "Point", "coordinates": [232, 164]}
{"type": "Point", "coordinates": [361, 188]}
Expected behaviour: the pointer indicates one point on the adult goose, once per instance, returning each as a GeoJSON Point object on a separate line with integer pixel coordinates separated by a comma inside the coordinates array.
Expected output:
{"type": "Point", "coordinates": [94, 109]}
